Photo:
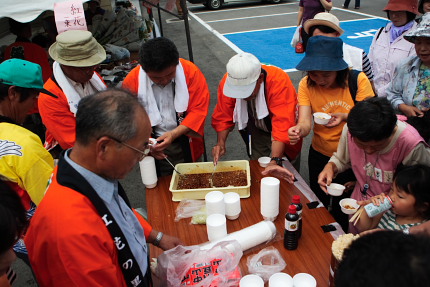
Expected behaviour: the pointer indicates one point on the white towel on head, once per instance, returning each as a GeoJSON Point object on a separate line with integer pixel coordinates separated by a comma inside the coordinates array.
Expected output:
{"type": "Point", "coordinates": [240, 113]}
{"type": "Point", "coordinates": [72, 96]}
{"type": "Point", "coordinates": [146, 94]}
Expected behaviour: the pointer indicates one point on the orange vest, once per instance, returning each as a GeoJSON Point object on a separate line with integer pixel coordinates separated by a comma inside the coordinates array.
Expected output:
{"type": "Point", "coordinates": [68, 243]}
{"type": "Point", "coordinates": [198, 104]}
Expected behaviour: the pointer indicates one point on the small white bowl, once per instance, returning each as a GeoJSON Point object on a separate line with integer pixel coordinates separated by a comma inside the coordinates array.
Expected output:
{"type": "Point", "coordinates": [304, 280]}
{"type": "Point", "coordinates": [348, 205]}
{"type": "Point", "coordinates": [335, 189]}
{"type": "Point", "coordinates": [264, 161]}
{"type": "Point", "coordinates": [321, 118]}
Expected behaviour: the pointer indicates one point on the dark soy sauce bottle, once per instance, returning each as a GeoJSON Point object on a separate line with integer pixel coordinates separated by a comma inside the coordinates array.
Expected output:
{"type": "Point", "coordinates": [299, 209]}
{"type": "Point", "coordinates": [291, 238]}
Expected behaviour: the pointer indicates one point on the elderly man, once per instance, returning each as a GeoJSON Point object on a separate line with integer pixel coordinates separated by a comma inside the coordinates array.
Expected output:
{"type": "Point", "coordinates": [76, 54]}
{"type": "Point", "coordinates": [175, 94]}
{"type": "Point", "coordinates": [84, 232]}
{"type": "Point", "coordinates": [262, 100]}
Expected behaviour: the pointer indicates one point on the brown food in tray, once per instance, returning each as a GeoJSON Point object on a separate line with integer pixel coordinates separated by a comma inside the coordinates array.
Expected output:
{"type": "Point", "coordinates": [220, 179]}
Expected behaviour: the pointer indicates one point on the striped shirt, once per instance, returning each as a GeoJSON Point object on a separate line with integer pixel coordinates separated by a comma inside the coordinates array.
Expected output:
{"type": "Point", "coordinates": [388, 221]}
{"type": "Point", "coordinates": [367, 68]}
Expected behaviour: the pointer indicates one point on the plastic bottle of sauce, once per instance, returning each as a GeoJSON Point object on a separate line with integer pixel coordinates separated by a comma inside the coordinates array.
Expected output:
{"type": "Point", "coordinates": [291, 238]}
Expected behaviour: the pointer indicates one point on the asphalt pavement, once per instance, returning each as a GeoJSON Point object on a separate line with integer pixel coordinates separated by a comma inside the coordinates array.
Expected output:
{"type": "Point", "coordinates": [211, 51]}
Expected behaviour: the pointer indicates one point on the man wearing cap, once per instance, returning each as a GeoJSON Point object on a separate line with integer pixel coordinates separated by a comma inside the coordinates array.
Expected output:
{"type": "Point", "coordinates": [76, 54]}
{"type": "Point", "coordinates": [85, 232]}
{"type": "Point", "coordinates": [326, 24]}
{"type": "Point", "coordinates": [24, 164]}
{"type": "Point", "coordinates": [262, 100]}
{"type": "Point", "coordinates": [175, 94]}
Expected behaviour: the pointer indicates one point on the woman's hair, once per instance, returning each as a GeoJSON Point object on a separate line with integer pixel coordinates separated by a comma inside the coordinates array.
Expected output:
{"type": "Point", "coordinates": [421, 6]}
{"type": "Point", "coordinates": [341, 79]}
{"type": "Point", "coordinates": [13, 220]}
{"type": "Point", "coordinates": [322, 28]}
{"type": "Point", "coordinates": [415, 180]}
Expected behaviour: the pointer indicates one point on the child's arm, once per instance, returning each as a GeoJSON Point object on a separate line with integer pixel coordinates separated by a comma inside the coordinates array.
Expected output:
{"type": "Point", "coordinates": [365, 222]}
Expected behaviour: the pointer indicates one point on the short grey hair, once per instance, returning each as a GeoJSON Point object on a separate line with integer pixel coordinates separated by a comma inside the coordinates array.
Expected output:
{"type": "Point", "coordinates": [107, 113]}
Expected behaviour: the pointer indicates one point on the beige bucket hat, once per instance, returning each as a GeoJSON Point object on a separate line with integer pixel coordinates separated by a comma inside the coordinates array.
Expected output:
{"type": "Point", "coordinates": [77, 48]}
{"type": "Point", "coordinates": [324, 19]}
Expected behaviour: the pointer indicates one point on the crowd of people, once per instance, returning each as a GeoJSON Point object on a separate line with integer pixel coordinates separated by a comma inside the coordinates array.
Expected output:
{"type": "Point", "coordinates": [75, 217]}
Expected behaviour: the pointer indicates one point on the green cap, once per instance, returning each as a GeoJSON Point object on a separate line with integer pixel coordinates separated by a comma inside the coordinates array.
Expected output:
{"type": "Point", "coordinates": [24, 74]}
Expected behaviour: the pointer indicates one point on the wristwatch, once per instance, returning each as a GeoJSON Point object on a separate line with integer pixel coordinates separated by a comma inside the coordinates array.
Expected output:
{"type": "Point", "coordinates": [158, 239]}
{"type": "Point", "coordinates": [278, 160]}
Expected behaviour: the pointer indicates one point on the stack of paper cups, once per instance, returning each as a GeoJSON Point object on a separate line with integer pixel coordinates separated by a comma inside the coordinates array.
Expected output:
{"type": "Point", "coordinates": [215, 203]}
{"type": "Point", "coordinates": [248, 237]}
{"type": "Point", "coordinates": [280, 280]}
{"type": "Point", "coordinates": [148, 172]}
{"type": "Point", "coordinates": [232, 205]}
{"type": "Point", "coordinates": [251, 280]}
{"type": "Point", "coordinates": [269, 198]}
{"type": "Point", "coordinates": [216, 226]}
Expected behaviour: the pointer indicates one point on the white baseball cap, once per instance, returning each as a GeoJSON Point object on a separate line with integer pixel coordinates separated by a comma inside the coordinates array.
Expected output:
{"type": "Point", "coordinates": [243, 71]}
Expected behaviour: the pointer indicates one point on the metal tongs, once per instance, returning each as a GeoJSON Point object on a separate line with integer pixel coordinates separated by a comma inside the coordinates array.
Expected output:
{"type": "Point", "coordinates": [180, 174]}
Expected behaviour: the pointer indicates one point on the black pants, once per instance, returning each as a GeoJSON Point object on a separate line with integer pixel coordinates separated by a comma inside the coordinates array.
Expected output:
{"type": "Point", "coordinates": [316, 163]}
{"type": "Point", "coordinates": [346, 3]}
{"type": "Point", "coordinates": [305, 38]}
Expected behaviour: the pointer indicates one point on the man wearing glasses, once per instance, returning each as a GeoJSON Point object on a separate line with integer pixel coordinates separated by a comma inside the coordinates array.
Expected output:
{"type": "Point", "coordinates": [85, 232]}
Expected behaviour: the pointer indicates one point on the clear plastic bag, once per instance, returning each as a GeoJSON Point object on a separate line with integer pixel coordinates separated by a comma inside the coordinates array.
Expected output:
{"type": "Point", "coordinates": [296, 37]}
{"type": "Point", "coordinates": [191, 208]}
{"type": "Point", "coordinates": [191, 266]}
{"type": "Point", "coordinates": [266, 263]}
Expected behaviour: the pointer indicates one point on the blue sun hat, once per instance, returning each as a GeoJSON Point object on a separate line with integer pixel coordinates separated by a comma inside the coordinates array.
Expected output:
{"type": "Point", "coordinates": [323, 54]}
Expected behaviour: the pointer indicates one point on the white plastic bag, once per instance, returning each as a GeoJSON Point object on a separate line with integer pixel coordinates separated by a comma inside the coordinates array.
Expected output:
{"type": "Point", "coordinates": [266, 263]}
{"type": "Point", "coordinates": [296, 37]}
{"type": "Point", "coordinates": [191, 266]}
{"type": "Point", "coordinates": [189, 208]}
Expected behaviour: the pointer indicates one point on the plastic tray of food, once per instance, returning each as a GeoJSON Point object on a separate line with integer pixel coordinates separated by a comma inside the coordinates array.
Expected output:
{"type": "Point", "coordinates": [208, 167]}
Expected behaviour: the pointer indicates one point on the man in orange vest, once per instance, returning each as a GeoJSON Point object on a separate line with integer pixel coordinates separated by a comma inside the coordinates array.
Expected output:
{"type": "Point", "coordinates": [84, 232]}
{"type": "Point", "coordinates": [175, 94]}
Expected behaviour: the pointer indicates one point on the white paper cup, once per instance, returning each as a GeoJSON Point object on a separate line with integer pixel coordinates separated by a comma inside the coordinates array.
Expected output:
{"type": "Point", "coordinates": [216, 226]}
{"type": "Point", "coordinates": [251, 280]}
{"type": "Point", "coordinates": [304, 280]}
{"type": "Point", "coordinates": [232, 205]}
{"type": "Point", "coordinates": [348, 205]}
{"type": "Point", "coordinates": [280, 280]}
{"type": "Point", "coordinates": [321, 118]}
{"type": "Point", "coordinates": [148, 172]}
{"type": "Point", "coordinates": [215, 202]}
{"type": "Point", "coordinates": [335, 189]}
{"type": "Point", "coordinates": [264, 161]}
{"type": "Point", "coordinates": [269, 199]}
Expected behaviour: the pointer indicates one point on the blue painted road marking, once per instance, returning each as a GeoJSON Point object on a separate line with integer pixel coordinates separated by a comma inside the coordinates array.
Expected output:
{"type": "Point", "coordinates": [273, 46]}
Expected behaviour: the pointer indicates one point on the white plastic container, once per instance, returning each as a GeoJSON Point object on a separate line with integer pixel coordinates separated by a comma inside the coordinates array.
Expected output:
{"type": "Point", "coordinates": [351, 203]}
{"type": "Point", "coordinates": [335, 189]}
{"type": "Point", "coordinates": [207, 167]}
{"type": "Point", "coordinates": [321, 118]}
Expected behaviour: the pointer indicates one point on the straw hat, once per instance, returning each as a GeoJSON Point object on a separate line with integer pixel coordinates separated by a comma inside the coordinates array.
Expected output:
{"type": "Point", "coordinates": [324, 19]}
{"type": "Point", "coordinates": [323, 54]}
{"type": "Point", "coordinates": [422, 29]}
{"type": "Point", "coordinates": [77, 48]}
{"type": "Point", "coordinates": [402, 5]}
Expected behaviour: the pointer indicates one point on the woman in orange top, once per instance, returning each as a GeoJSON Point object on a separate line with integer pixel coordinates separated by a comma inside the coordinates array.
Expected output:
{"type": "Point", "coordinates": [326, 89]}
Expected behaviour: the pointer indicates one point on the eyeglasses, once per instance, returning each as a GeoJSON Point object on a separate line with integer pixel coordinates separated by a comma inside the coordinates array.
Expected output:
{"type": "Point", "coordinates": [142, 153]}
